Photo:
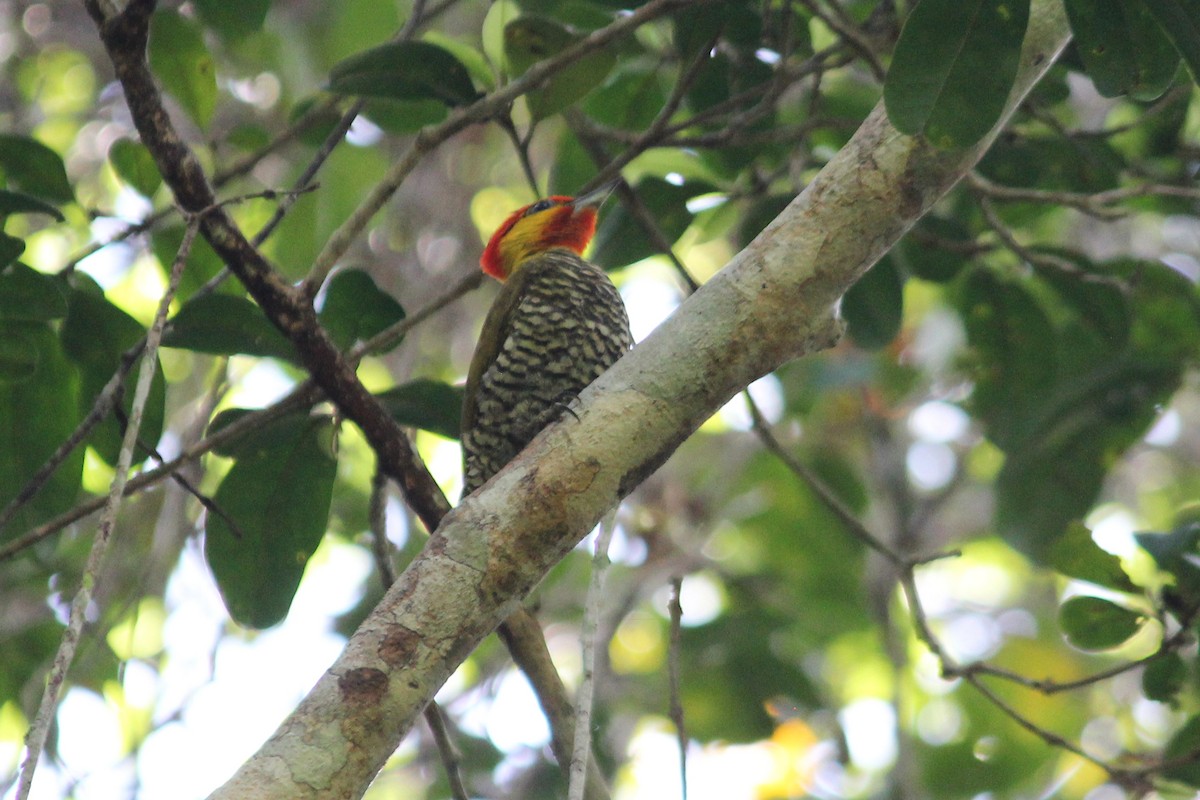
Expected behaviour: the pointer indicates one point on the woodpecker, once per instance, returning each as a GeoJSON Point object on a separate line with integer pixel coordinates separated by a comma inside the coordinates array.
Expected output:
{"type": "Point", "coordinates": [557, 324]}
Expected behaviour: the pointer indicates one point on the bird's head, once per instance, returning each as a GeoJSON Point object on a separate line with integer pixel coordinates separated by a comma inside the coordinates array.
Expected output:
{"type": "Point", "coordinates": [556, 221]}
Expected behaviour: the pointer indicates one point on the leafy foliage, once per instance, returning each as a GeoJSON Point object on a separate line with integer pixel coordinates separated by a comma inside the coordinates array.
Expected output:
{"type": "Point", "coordinates": [1017, 385]}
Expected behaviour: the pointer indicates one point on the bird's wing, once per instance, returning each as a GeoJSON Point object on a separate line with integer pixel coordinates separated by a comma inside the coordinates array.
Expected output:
{"type": "Point", "coordinates": [492, 337]}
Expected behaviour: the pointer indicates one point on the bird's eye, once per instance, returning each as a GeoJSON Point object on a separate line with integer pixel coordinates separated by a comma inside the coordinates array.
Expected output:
{"type": "Point", "coordinates": [539, 206]}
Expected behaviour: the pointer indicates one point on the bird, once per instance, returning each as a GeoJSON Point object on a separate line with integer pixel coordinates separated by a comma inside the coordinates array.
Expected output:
{"type": "Point", "coordinates": [557, 324]}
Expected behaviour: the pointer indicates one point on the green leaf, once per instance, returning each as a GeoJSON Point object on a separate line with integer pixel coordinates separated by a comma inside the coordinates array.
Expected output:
{"type": "Point", "coordinates": [225, 325]}
{"type": "Point", "coordinates": [1077, 555]}
{"type": "Point", "coordinates": [472, 58]}
{"type": "Point", "coordinates": [404, 116]}
{"type": "Point", "coordinates": [1092, 623]}
{"type": "Point", "coordinates": [1184, 751]}
{"type": "Point", "coordinates": [133, 164]}
{"type": "Point", "coordinates": [28, 295]}
{"type": "Point", "coordinates": [36, 415]}
{"type": "Point", "coordinates": [621, 239]}
{"type": "Point", "coordinates": [183, 64]}
{"type": "Point", "coordinates": [717, 704]}
{"type": "Point", "coordinates": [274, 434]}
{"type": "Point", "coordinates": [695, 28]}
{"type": "Point", "coordinates": [20, 203]}
{"type": "Point", "coordinates": [11, 249]}
{"type": "Point", "coordinates": [1015, 367]}
{"type": "Point", "coordinates": [530, 39]}
{"type": "Point", "coordinates": [233, 20]}
{"type": "Point", "coordinates": [1103, 307]}
{"type": "Point", "coordinates": [953, 68]}
{"type": "Point", "coordinates": [404, 71]}
{"type": "Point", "coordinates": [18, 355]}
{"type": "Point", "coordinates": [1176, 553]}
{"type": "Point", "coordinates": [95, 335]}
{"type": "Point", "coordinates": [1123, 47]}
{"type": "Point", "coordinates": [1180, 20]}
{"type": "Point", "coordinates": [277, 494]}
{"type": "Point", "coordinates": [874, 307]}
{"type": "Point", "coordinates": [34, 168]}
{"type": "Point", "coordinates": [630, 99]}
{"type": "Point", "coordinates": [922, 254]}
{"type": "Point", "coordinates": [1072, 165]}
{"type": "Point", "coordinates": [1164, 677]}
{"type": "Point", "coordinates": [426, 404]}
{"type": "Point", "coordinates": [355, 308]}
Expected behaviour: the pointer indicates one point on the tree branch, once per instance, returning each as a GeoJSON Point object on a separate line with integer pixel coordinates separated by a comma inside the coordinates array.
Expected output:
{"type": "Point", "coordinates": [773, 302]}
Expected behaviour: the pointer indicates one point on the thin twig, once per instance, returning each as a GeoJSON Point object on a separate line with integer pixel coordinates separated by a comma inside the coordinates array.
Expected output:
{"type": "Point", "coordinates": [844, 27]}
{"type": "Point", "coordinates": [581, 754]}
{"type": "Point", "coordinates": [35, 741]}
{"type": "Point", "coordinates": [505, 121]}
{"type": "Point", "coordinates": [818, 487]}
{"type": "Point", "coordinates": [675, 609]}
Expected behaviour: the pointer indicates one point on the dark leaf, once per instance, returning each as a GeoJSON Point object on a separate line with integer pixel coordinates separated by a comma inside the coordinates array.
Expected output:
{"type": "Point", "coordinates": [1123, 47]}
{"type": "Point", "coordinates": [18, 354]}
{"type": "Point", "coordinates": [233, 20]}
{"type": "Point", "coordinates": [630, 99]}
{"type": "Point", "coordinates": [221, 324]}
{"type": "Point", "coordinates": [735, 21]}
{"type": "Point", "coordinates": [1077, 555]}
{"type": "Point", "coordinates": [1015, 365]}
{"type": "Point", "coordinates": [36, 415]}
{"type": "Point", "coordinates": [530, 39]}
{"type": "Point", "coordinates": [30, 296]}
{"type": "Point", "coordinates": [277, 494]}
{"type": "Point", "coordinates": [1102, 306]}
{"type": "Point", "coordinates": [874, 307]}
{"type": "Point", "coordinates": [274, 434]}
{"type": "Point", "coordinates": [181, 61]}
{"type": "Point", "coordinates": [953, 68]}
{"type": "Point", "coordinates": [11, 249]}
{"type": "Point", "coordinates": [95, 335]}
{"type": "Point", "coordinates": [1164, 677]}
{"type": "Point", "coordinates": [1176, 553]}
{"type": "Point", "coordinates": [1180, 19]}
{"type": "Point", "coordinates": [1073, 165]}
{"type": "Point", "coordinates": [621, 239]}
{"type": "Point", "coordinates": [426, 404]}
{"type": "Point", "coordinates": [20, 203]}
{"type": "Point", "coordinates": [404, 116]}
{"type": "Point", "coordinates": [404, 71]}
{"type": "Point", "coordinates": [935, 249]}
{"type": "Point", "coordinates": [1091, 623]}
{"type": "Point", "coordinates": [1184, 751]}
{"type": "Point", "coordinates": [35, 169]}
{"type": "Point", "coordinates": [134, 165]}
{"type": "Point", "coordinates": [355, 308]}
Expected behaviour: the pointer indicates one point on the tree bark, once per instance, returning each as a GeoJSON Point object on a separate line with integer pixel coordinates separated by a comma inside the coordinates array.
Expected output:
{"type": "Point", "coordinates": [774, 301]}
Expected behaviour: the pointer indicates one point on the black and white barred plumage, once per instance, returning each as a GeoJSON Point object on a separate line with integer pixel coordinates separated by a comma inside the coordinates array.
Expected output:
{"type": "Point", "coordinates": [557, 324]}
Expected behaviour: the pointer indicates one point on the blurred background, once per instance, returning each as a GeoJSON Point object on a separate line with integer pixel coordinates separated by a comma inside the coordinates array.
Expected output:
{"type": "Point", "coordinates": [1017, 386]}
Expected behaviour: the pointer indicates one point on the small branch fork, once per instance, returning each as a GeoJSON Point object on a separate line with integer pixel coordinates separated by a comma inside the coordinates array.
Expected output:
{"type": "Point", "coordinates": [1133, 778]}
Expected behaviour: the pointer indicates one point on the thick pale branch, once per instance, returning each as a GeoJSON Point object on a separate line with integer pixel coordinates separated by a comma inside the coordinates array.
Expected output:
{"type": "Point", "coordinates": [773, 302]}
